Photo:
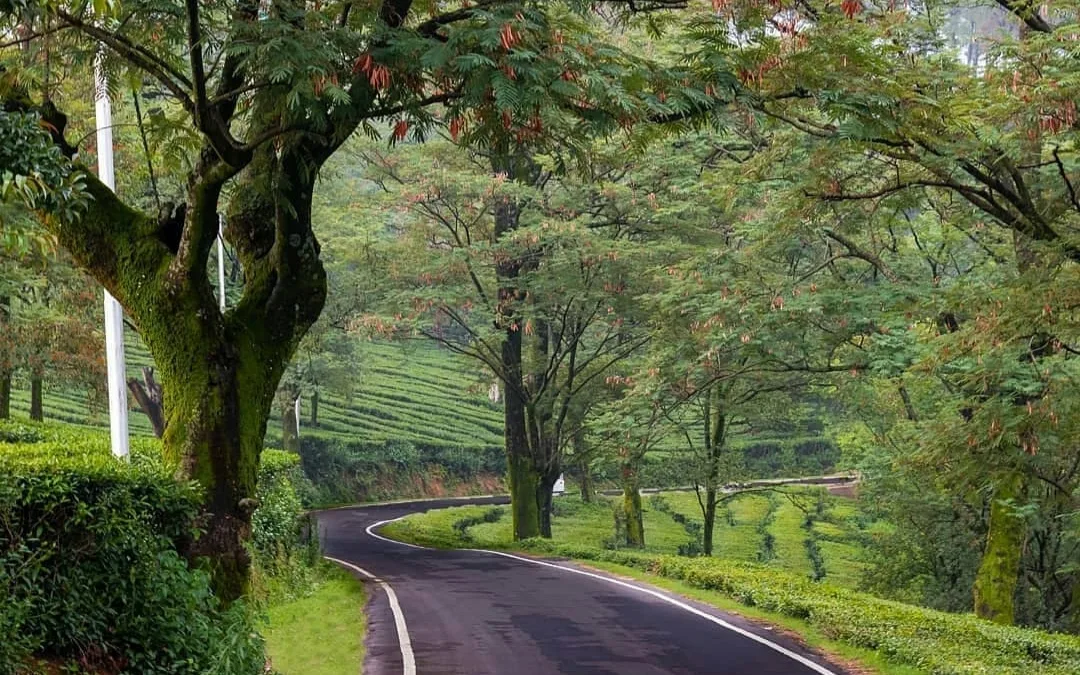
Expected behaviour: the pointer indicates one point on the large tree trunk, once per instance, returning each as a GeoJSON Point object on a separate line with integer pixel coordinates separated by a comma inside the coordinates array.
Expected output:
{"type": "Point", "coordinates": [631, 504]}
{"type": "Point", "coordinates": [218, 372]}
{"type": "Point", "coordinates": [999, 569]}
{"type": "Point", "coordinates": [523, 479]}
{"type": "Point", "coordinates": [37, 405]}
{"type": "Point", "coordinates": [214, 430]}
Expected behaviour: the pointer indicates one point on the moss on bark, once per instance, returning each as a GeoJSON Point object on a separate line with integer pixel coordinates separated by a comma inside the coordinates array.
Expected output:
{"type": "Point", "coordinates": [999, 569]}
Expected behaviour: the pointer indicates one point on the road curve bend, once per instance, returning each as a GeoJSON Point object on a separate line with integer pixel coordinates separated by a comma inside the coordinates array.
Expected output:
{"type": "Point", "coordinates": [471, 612]}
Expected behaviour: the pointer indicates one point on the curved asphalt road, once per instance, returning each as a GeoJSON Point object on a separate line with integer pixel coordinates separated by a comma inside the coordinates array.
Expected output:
{"type": "Point", "coordinates": [481, 613]}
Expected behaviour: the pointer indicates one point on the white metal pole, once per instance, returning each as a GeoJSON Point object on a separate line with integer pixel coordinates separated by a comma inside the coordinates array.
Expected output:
{"type": "Point", "coordinates": [114, 313]}
{"type": "Point", "coordinates": [221, 262]}
{"type": "Point", "coordinates": [296, 411]}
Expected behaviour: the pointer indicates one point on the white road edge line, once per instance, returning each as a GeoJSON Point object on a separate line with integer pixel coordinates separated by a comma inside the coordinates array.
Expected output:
{"type": "Point", "coordinates": [816, 667]}
{"type": "Point", "coordinates": [408, 660]}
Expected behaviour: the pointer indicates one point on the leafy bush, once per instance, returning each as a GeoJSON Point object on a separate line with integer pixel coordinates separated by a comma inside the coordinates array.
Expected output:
{"type": "Point", "coordinates": [282, 538]}
{"type": "Point", "coordinates": [90, 571]}
{"type": "Point", "coordinates": [14, 432]}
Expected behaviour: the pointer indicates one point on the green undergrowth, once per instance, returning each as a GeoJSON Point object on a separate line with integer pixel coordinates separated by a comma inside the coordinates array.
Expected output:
{"type": "Point", "coordinates": [92, 574]}
{"type": "Point", "coordinates": [321, 633]}
{"type": "Point", "coordinates": [91, 571]}
{"type": "Point", "coordinates": [925, 640]}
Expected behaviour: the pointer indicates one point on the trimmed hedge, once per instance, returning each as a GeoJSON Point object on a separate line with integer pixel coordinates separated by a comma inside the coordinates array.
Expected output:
{"type": "Point", "coordinates": [348, 472]}
{"type": "Point", "coordinates": [935, 642]}
{"type": "Point", "coordinates": [89, 568]}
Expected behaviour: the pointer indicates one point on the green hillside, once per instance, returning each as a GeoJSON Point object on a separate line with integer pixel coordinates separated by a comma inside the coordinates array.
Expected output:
{"type": "Point", "coordinates": [412, 392]}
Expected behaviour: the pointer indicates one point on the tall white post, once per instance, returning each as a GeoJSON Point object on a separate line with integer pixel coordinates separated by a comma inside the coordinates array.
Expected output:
{"type": "Point", "coordinates": [114, 313]}
{"type": "Point", "coordinates": [296, 414]}
{"type": "Point", "coordinates": [221, 262]}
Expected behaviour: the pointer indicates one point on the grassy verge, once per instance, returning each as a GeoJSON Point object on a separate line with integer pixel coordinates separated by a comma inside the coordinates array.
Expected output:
{"type": "Point", "coordinates": [882, 636]}
{"type": "Point", "coordinates": [321, 634]}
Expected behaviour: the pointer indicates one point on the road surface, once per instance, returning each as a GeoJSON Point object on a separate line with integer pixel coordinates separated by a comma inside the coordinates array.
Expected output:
{"type": "Point", "coordinates": [483, 613]}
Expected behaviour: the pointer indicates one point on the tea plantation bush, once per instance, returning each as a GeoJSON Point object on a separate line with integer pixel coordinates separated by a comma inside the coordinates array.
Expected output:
{"type": "Point", "coordinates": [89, 569]}
{"type": "Point", "coordinates": [354, 471]}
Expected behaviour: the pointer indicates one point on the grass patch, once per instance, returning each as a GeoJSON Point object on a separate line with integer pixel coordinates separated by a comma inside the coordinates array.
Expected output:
{"type": "Point", "coordinates": [321, 634]}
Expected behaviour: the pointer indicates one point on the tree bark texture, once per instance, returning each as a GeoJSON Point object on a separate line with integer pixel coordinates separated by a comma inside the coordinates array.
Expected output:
{"type": "Point", "coordinates": [715, 437]}
{"type": "Point", "coordinates": [290, 435]}
{"type": "Point", "coordinates": [523, 479]}
{"type": "Point", "coordinates": [37, 404]}
{"type": "Point", "coordinates": [999, 569]}
{"type": "Point", "coordinates": [149, 397]}
{"type": "Point", "coordinates": [631, 505]}
{"type": "Point", "coordinates": [5, 358]}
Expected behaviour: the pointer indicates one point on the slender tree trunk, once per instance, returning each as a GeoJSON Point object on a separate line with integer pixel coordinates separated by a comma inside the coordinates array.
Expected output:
{"type": "Point", "coordinates": [583, 464]}
{"type": "Point", "coordinates": [588, 488]}
{"type": "Point", "coordinates": [999, 569]}
{"type": "Point", "coordinates": [148, 395]}
{"type": "Point", "coordinates": [544, 499]}
{"type": "Point", "coordinates": [715, 437]}
{"type": "Point", "coordinates": [5, 393]}
{"type": "Point", "coordinates": [290, 434]}
{"type": "Point", "coordinates": [710, 519]}
{"type": "Point", "coordinates": [315, 408]}
{"type": "Point", "coordinates": [635, 519]}
{"type": "Point", "coordinates": [5, 358]}
{"type": "Point", "coordinates": [37, 405]}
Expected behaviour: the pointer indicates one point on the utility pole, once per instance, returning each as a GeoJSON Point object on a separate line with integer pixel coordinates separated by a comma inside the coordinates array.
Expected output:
{"type": "Point", "coordinates": [114, 313]}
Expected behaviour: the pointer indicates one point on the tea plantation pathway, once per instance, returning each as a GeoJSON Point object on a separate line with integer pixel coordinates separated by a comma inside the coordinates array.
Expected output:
{"type": "Point", "coordinates": [481, 613]}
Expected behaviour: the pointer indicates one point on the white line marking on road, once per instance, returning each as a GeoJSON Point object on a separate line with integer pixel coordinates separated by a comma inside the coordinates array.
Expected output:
{"type": "Point", "coordinates": [371, 527]}
{"type": "Point", "coordinates": [408, 660]}
{"type": "Point", "coordinates": [816, 667]}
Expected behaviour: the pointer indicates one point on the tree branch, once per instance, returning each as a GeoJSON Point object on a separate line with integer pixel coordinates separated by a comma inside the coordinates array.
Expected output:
{"type": "Point", "coordinates": [858, 252]}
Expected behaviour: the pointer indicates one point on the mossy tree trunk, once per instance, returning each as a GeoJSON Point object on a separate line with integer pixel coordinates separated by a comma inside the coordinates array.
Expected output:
{"type": "Point", "coordinates": [523, 479]}
{"type": "Point", "coordinates": [219, 372]}
{"type": "Point", "coordinates": [37, 404]}
{"type": "Point", "coordinates": [315, 408]}
{"type": "Point", "coordinates": [999, 569]}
